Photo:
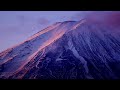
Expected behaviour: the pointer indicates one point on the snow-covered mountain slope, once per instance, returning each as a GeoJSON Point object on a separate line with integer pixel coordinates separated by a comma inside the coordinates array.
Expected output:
{"type": "Point", "coordinates": [65, 50]}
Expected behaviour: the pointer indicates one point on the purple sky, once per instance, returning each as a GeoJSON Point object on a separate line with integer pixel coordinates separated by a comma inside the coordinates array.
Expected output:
{"type": "Point", "coordinates": [17, 26]}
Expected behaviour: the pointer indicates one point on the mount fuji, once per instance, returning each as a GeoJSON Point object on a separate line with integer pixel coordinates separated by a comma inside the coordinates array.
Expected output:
{"type": "Point", "coordinates": [65, 50]}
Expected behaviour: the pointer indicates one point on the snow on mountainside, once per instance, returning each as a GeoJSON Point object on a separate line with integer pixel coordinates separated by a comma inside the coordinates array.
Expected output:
{"type": "Point", "coordinates": [65, 50]}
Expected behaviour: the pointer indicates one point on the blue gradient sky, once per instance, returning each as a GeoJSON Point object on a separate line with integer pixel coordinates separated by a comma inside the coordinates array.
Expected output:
{"type": "Point", "coordinates": [17, 26]}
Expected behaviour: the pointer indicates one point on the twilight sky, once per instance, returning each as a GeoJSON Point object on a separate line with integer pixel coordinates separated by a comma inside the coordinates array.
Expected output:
{"type": "Point", "coordinates": [17, 26]}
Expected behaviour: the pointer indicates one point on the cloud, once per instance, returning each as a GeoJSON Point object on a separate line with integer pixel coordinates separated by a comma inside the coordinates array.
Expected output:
{"type": "Point", "coordinates": [80, 15]}
{"type": "Point", "coordinates": [111, 18]}
{"type": "Point", "coordinates": [21, 20]}
{"type": "Point", "coordinates": [43, 21]}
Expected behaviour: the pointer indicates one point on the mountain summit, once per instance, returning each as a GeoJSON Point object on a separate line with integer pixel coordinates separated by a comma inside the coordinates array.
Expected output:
{"type": "Point", "coordinates": [65, 50]}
